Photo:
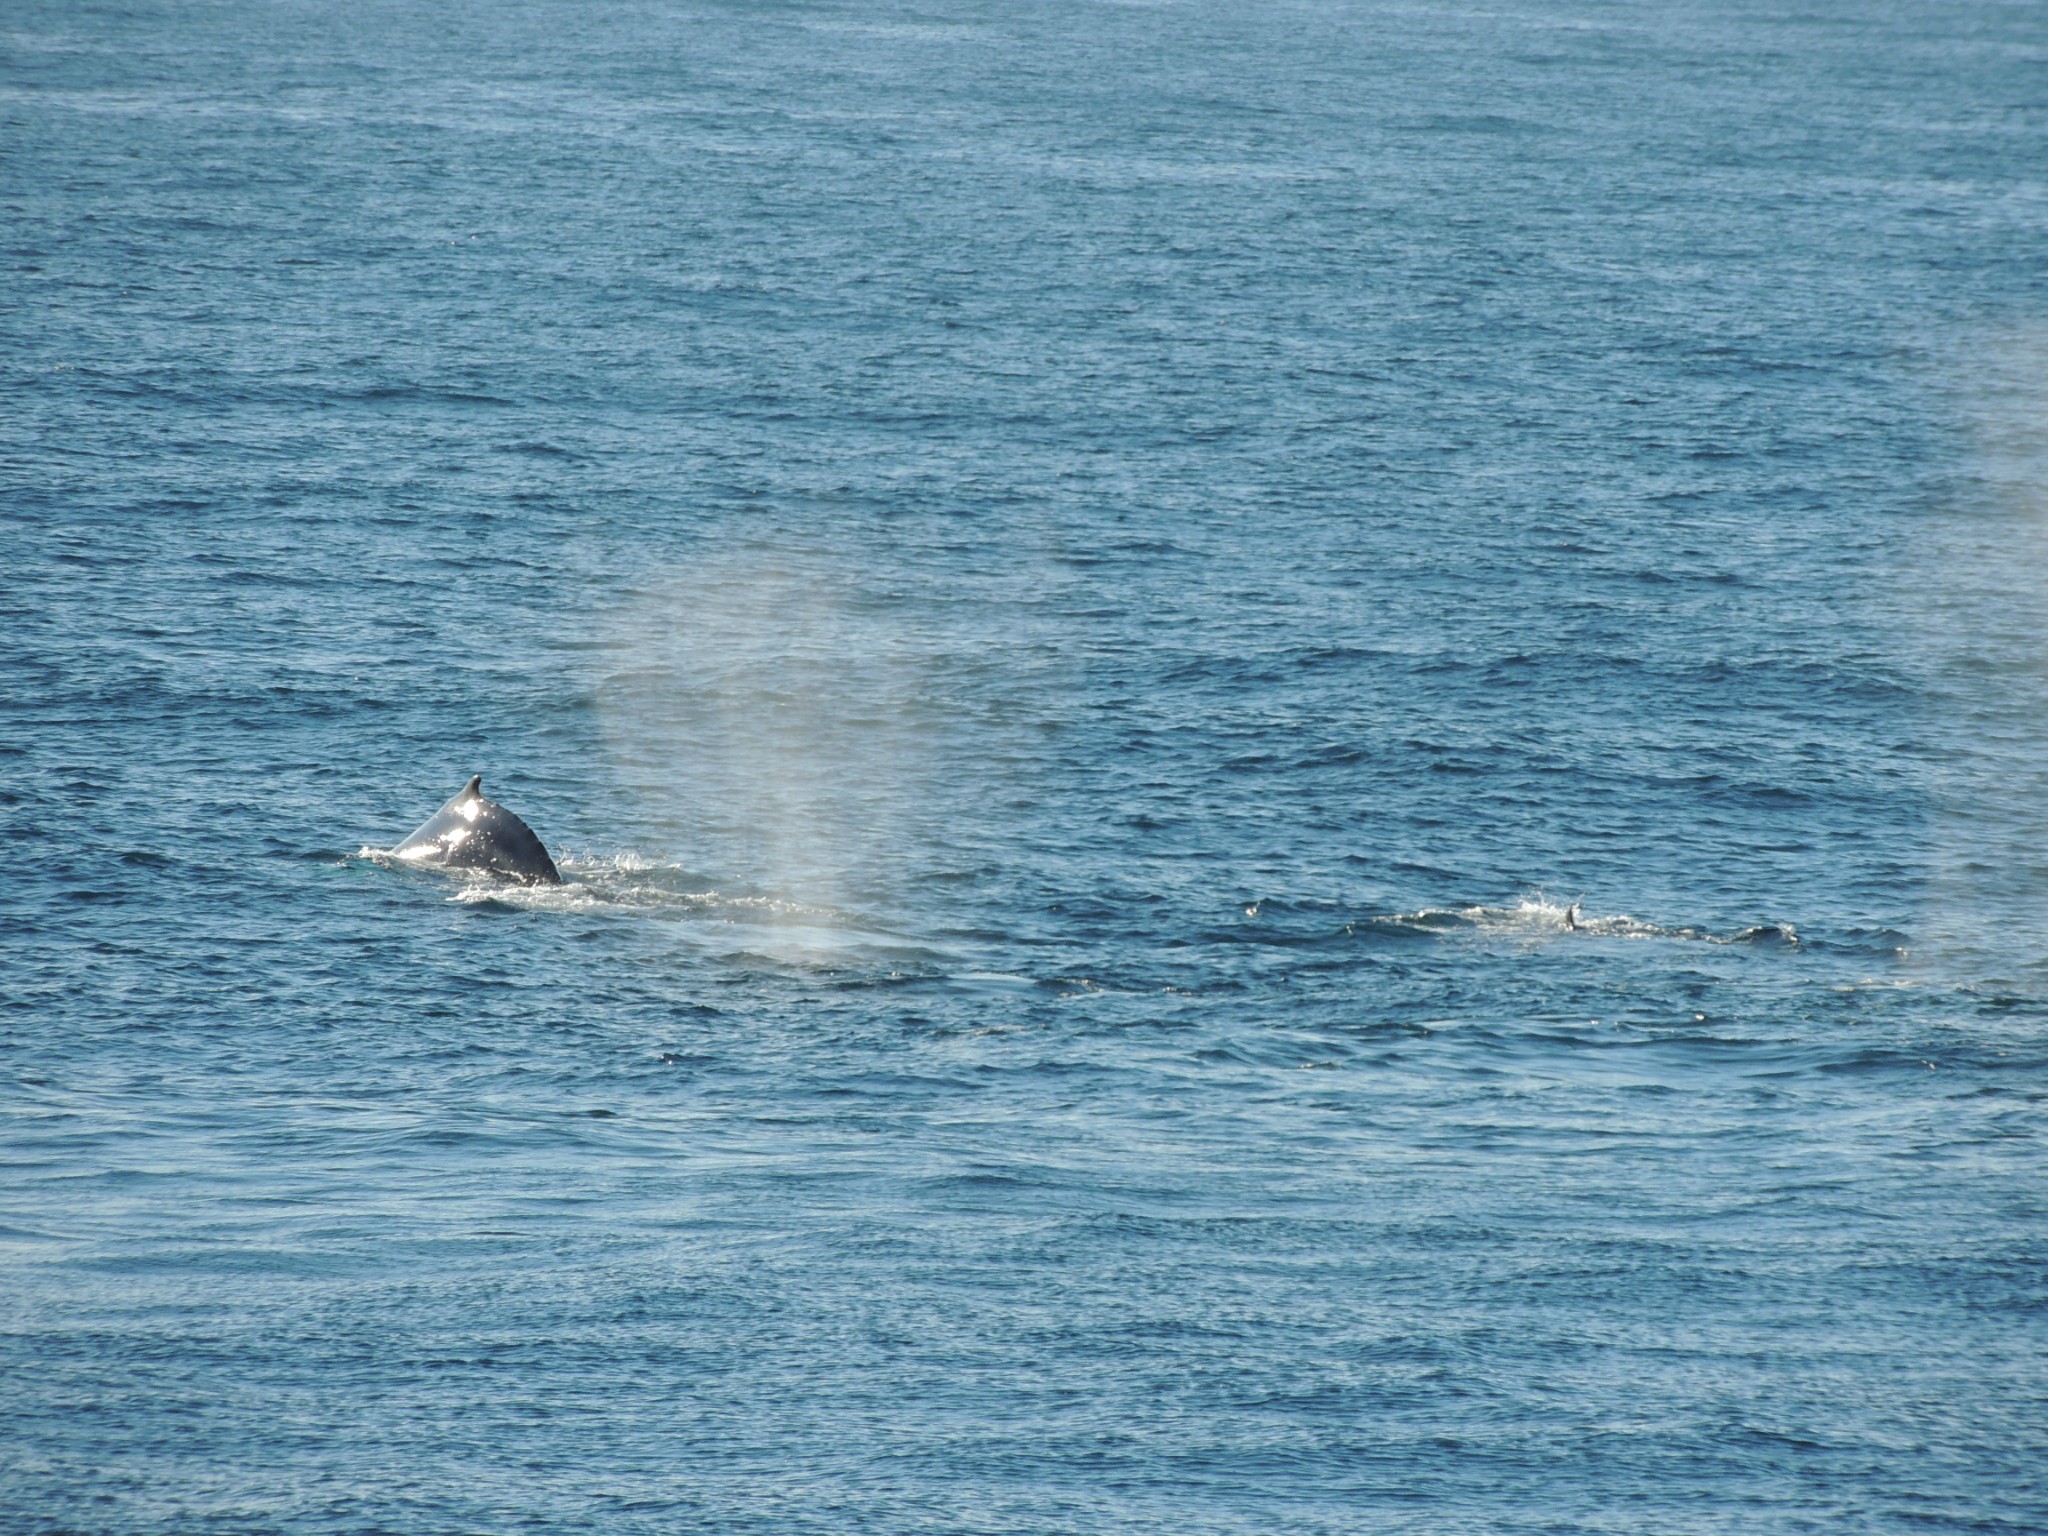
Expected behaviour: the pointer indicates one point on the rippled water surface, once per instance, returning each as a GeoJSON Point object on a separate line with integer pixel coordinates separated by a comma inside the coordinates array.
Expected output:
{"type": "Point", "coordinates": [1298, 750]}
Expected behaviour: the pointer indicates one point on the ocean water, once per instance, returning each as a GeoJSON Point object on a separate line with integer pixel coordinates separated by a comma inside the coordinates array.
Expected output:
{"type": "Point", "coordinates": [1079, 589]}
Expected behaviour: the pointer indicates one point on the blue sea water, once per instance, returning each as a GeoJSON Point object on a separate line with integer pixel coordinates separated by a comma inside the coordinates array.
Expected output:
{"type": "Point", "coordinates": [1079, 588]}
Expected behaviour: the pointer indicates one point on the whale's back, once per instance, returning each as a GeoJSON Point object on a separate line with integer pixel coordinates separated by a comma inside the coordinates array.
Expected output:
{"type": "Point", "coordinates": [474, 832]}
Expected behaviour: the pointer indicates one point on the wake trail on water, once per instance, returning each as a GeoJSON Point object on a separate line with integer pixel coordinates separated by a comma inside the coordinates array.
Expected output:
{"type": "Point", "coordinates": [736, 924]}
{"type": "Point", "coordinates": [749, 925]}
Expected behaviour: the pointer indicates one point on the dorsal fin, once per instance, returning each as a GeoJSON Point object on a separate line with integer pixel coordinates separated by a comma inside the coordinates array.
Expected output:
{"type": "Point", "coordinates": [475, 786]}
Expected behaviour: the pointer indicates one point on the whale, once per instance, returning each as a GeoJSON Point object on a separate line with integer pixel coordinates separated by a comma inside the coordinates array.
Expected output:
{"type": "Point", "coordinates": [471, 832]}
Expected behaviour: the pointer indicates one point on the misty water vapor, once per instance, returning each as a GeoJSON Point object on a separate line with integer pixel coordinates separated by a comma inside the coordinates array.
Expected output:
{"type": "Point", "coordinates": [776, 717]}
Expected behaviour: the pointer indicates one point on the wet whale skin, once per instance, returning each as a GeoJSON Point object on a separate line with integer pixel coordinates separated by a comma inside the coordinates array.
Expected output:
{"type": "Point", "coordinates": [474, 832]}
